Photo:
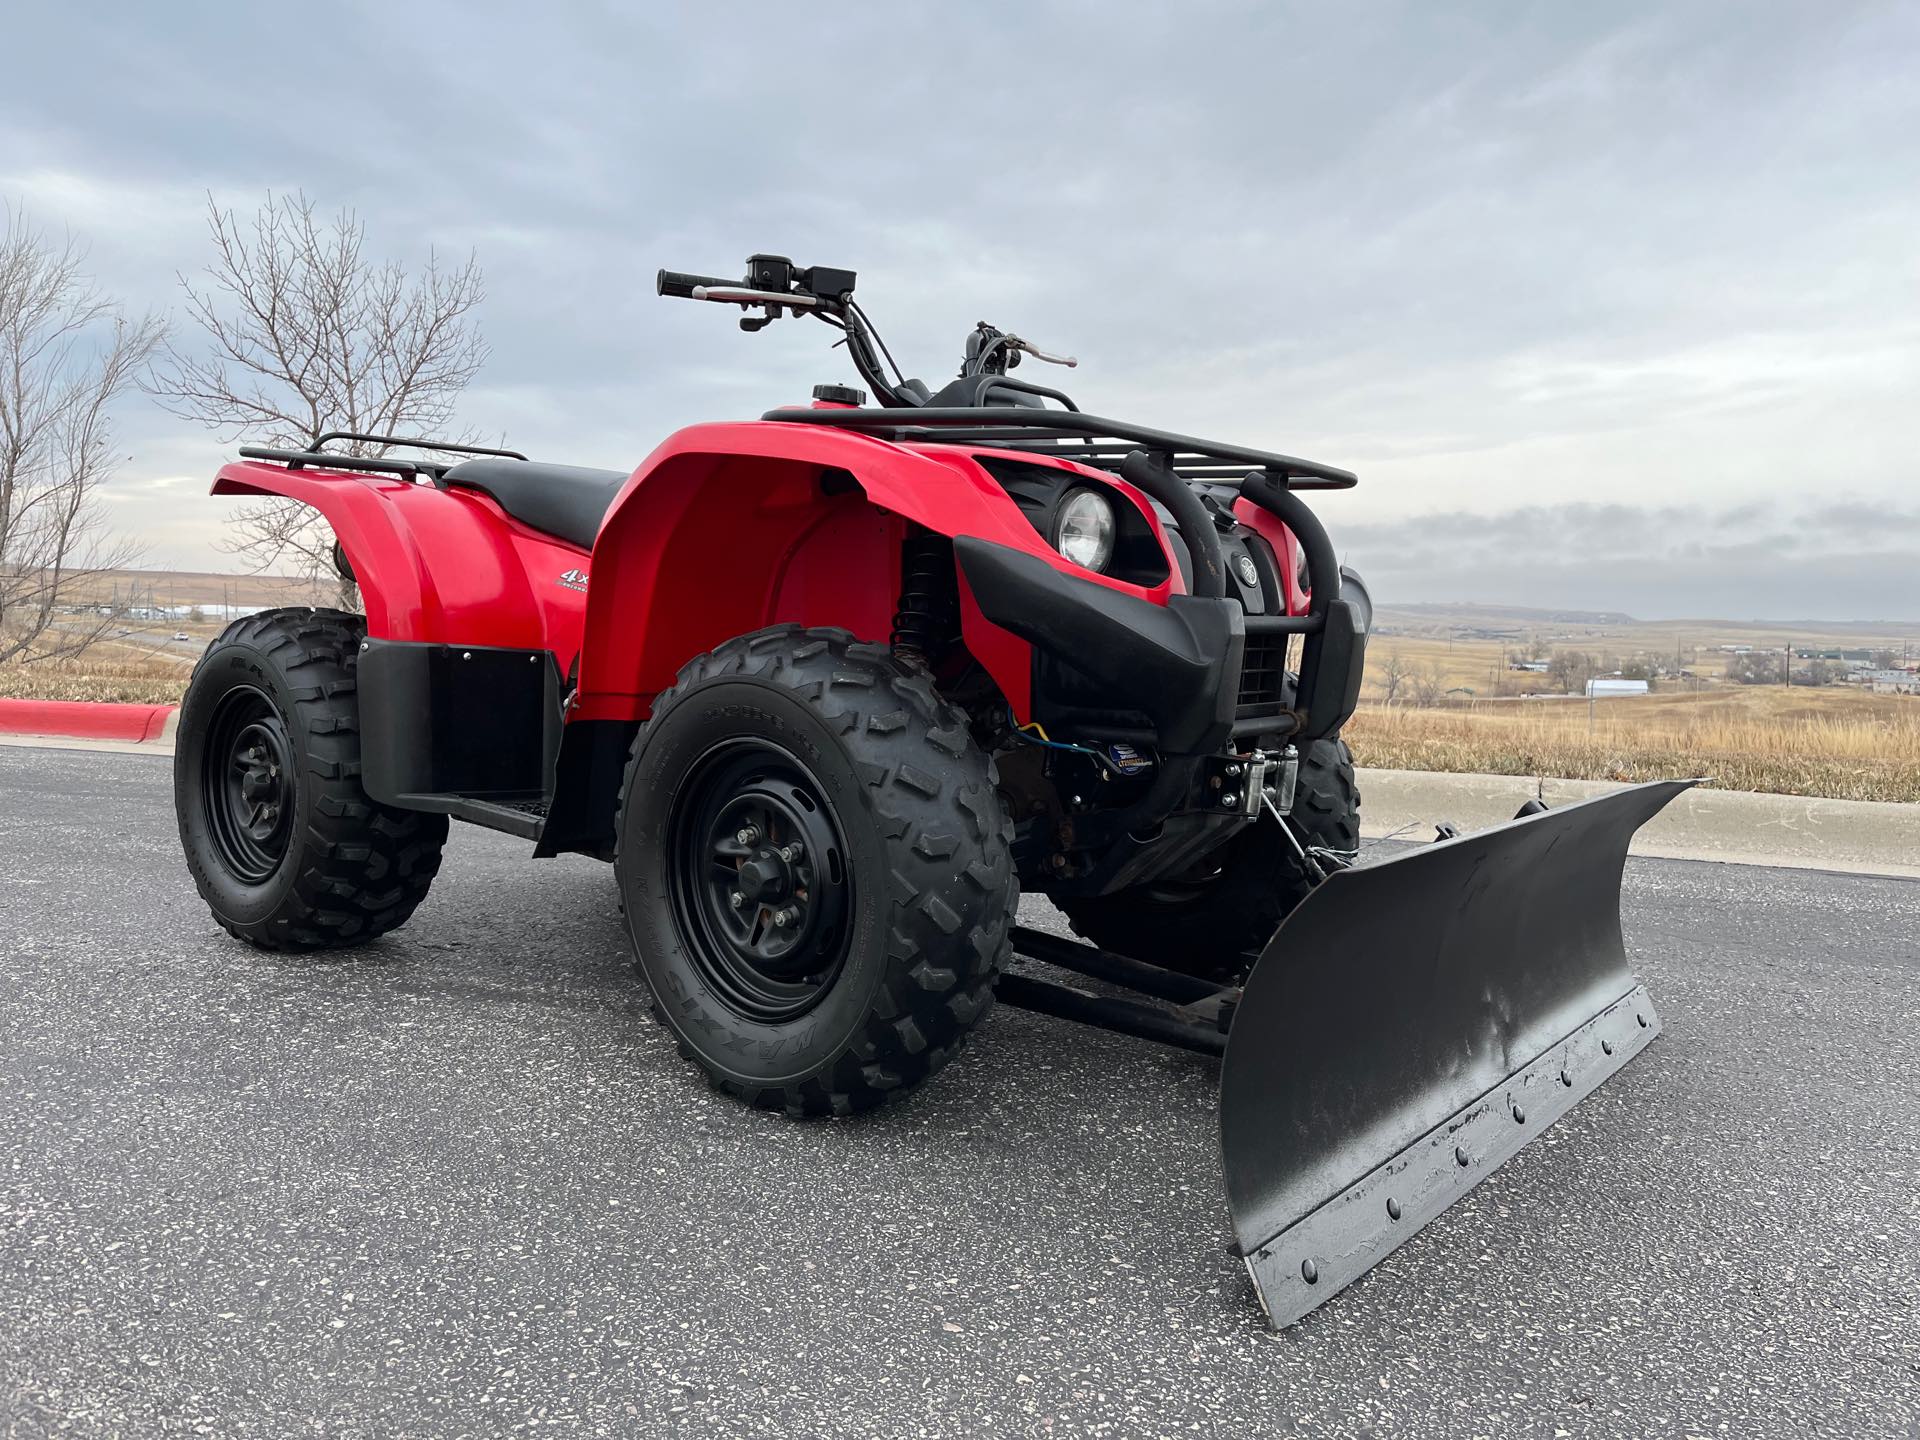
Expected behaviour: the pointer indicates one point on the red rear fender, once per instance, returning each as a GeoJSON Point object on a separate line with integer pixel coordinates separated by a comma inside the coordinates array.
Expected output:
{"type": "Point", "coordinates": [437, 565]}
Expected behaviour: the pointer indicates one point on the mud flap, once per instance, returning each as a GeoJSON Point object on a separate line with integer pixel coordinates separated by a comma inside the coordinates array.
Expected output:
{"type": "Point", "coordinates": [1412, 1025]}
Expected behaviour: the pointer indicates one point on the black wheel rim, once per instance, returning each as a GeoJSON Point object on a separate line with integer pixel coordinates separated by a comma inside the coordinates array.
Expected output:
{"type": "Point", "coordinates": [761, 891]}
{"type": "Point", "coordinates": [246, 783]}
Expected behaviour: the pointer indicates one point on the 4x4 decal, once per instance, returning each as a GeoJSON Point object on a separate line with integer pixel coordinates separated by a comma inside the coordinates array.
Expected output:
{"type": "Point", "coordinates": [575, 579]}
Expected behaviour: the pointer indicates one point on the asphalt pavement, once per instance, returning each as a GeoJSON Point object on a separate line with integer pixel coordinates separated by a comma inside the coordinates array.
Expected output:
{"type": "Point", "coordinates": [459, 1183]}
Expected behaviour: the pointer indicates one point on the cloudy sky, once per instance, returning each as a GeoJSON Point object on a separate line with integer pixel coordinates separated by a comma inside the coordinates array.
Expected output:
{"type": "Point", "coordinates": [1610, 306]}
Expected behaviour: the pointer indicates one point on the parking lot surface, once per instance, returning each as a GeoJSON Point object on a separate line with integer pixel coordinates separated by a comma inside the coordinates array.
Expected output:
{"type": "Point", "coordinates": [459, 1183]}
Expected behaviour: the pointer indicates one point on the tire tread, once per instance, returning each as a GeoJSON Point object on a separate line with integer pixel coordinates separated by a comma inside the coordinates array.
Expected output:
{"type": "Point", "coordinates": [937, 802]}
{"type": "Point", "coordinates": [363, 867]}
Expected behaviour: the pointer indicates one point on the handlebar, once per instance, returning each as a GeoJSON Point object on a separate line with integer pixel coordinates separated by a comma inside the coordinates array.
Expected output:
{"type": "Point", "coordinates": [673, 282]}
{"type": "Point", "coordinates": [776, 287]}
{"type": "Point", "coordinates": [730, 292]}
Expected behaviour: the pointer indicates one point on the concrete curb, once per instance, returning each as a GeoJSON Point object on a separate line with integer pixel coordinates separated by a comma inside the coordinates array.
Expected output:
{"type": "Point", "coordinates": [88, 720]}
{"type": "Point", "coordinates": [1861, 837]}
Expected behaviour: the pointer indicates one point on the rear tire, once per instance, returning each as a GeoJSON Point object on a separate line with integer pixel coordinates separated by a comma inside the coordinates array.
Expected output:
{"type": "Point", "coordinates": [815, 778]}
{"type": "Point", "coordinates": [283, 843]}
{"type": "Point", "coordinates": [1204, 923]}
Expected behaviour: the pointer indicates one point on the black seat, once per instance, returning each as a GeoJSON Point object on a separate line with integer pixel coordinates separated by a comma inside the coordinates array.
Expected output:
{"type": "Point", "coordinates": [565, 501]}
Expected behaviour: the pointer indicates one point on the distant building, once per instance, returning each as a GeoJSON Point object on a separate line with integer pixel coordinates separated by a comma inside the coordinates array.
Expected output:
{"type": "Point", "coordinates": [1602, 689]}
{"type": "Point", "coordinates": [1892, 682]}
{"type": "Point", "coordinates": [1534, 667]}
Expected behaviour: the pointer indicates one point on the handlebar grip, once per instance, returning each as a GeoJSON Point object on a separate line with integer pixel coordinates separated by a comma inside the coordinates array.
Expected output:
{"type": "Point", "coordinates": [673, 282]}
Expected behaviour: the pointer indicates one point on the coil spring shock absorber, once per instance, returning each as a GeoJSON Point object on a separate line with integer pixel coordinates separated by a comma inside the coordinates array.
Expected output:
{"type": "Point", "coordinates": [928, 616]}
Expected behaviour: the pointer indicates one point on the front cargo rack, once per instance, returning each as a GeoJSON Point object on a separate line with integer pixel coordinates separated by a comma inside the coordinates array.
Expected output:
{"type": "Point", "coordinates": [1069, 435]}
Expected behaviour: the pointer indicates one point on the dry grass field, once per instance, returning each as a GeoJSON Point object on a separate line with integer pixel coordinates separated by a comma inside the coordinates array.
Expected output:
{"type": "Point", "coordinates": [191, 587]}
{"type": "Point", "coordinates": [130, 673]}
{"type": "Point", "coordinates": [1830, 740]}
{"type": "Point", "coordinates": [139, 661]}
{"type": "Point", "coordinates": [1844, 744]}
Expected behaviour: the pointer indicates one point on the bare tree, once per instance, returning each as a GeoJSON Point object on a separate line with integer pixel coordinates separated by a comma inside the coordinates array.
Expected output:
{"type": "Point", "coordinates": [1394, 674]}
{"type": "Point", "coordinates": [67, 352]}
{"type": "Point", "coordinates": [303, 333]}
{"type": "Point", "coordinates": [1571, 669]}
{"type": "Point", "coordinates": [1430, 686]}
{"type": "Point", "coordinates": [1756, 667]}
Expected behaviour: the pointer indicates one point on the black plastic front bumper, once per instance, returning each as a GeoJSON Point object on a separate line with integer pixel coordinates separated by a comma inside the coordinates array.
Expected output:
{"type": "Point", "coordinates": [1173, 669]}
{"type": "Point", "coordinates": [1177, 665]}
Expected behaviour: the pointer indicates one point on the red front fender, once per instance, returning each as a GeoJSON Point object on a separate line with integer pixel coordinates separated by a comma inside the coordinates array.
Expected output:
{"type": "Point", "coordinates": [728, 528]}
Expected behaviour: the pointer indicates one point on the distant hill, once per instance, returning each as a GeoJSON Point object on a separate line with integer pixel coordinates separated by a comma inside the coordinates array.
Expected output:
{"type": "Point", "coordinates": [1435, 619]}
{"type": "Point", "coordinates": [187, 587]}
{"type": "Point", "coordinates": [1430, 613]}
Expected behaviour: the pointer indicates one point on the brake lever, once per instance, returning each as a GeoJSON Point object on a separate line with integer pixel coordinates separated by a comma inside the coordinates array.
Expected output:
{"type": "Point", "coordinates": [742, 295]}
{"type": "Point", "coordinates": [1028, 348]}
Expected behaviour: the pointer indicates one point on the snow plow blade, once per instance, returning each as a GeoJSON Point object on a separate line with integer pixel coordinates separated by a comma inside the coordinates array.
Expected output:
{"type": "Point", "coordinates": [1411, 1025]}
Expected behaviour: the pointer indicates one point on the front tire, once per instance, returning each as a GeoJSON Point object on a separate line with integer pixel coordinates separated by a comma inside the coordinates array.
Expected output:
{"type": "Point", "coordinates": [816, 871]}
{"type": "Point", "coordinates": [283, 843]}
{"type": "Point", "coordinates": [1206, 922]}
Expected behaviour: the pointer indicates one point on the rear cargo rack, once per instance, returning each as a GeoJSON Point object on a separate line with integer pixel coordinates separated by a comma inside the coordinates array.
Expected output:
{"type": "Point", "coordinates": [1069, 435]}
{"type": "Point", "coordinates": [374, 464]}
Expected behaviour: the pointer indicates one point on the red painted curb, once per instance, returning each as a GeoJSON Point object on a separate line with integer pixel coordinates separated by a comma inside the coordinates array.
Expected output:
{"type": "Point", "coordinates": [83, 719]}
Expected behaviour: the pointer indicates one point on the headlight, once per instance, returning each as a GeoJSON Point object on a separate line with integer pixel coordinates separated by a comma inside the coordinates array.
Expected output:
{"type": "Point", "coordinates": [1300, 581]}
{"type": "Point", "coordinates": [1083, 529]}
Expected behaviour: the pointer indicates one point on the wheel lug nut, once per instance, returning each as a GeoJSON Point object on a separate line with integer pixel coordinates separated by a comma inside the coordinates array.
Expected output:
{"type": "Point", "coordinates": [786, 917]}
{"type": "Point", "coordinates": [746, 835]}
{"type": "Point", "coordinates": [791, 853]}
{"type": "Point", "coordinates": [736, 899]}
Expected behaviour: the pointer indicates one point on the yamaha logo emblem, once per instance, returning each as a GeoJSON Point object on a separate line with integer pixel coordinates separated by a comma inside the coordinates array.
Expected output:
{"type": "Point", "coordinates": [1249, 576]}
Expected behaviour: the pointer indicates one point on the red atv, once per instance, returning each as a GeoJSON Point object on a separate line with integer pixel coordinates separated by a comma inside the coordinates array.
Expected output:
{"type": "Point", "coordinates": [831, 687]}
